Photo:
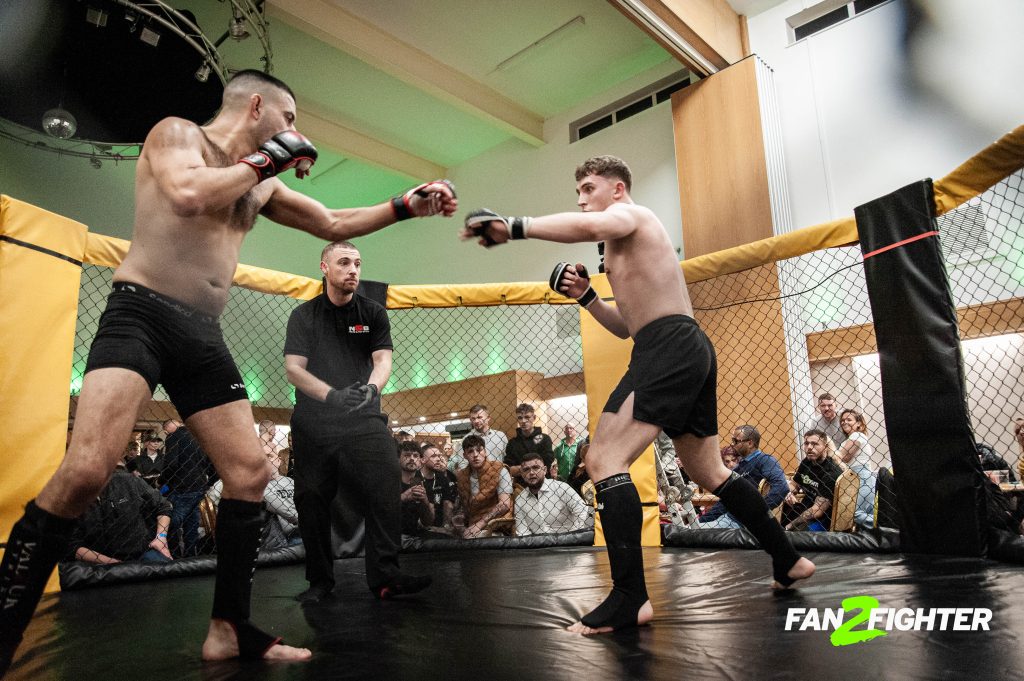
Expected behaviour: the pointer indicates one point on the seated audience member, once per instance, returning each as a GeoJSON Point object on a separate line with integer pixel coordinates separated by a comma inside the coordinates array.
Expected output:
{"type": "Point", "coordinates": [417, 512]}
{"type": "Point", "coordinates": [282, 529]}
{"type": "Point", "coordinates": [991, 461]}
{"type": "Point", "coordinates": [729, 457]}
{"type": "Point", "coordinates": [579, 475]}
{"type": "Point", "coordinates": [495, 441]}
{"type": "Point", "coordinates": [529, 438]}
{"type": "Point", "coordinates": [439, 482]}
{"type": "Point", "coordinates": [404, 436]}
{"type": "Point", "coordinates": [186, 476]}
{"type": "Point", "coordinates": [270, 437]}
{"type": "Point", "coordinates": [150, 463]}
{"type": "Point", "coordinates": [816, 478]}
{"type": "Point", "coordinates": [131, 453]}
{"type": "Point", "coordinates": [1018, 434]}
{"type": "Point", "coordinates": [546, 506]}
{"type": "Point", "coordinates": [755, 466]}
{"type": "Point", "coordinates": [129, 521]}
{"type": "Point", "coordinates": [287, 464]}
{"type": "Point", "coordinates": [857, 454]}
{"type": "Point", "coordinates": [565, 453]}
{"type": "Point", "coordinates": [485, 489]}
{"type": "Point", "coordinates": [828, 420]}
{"type": "Point", "coordinates": [447, 451]}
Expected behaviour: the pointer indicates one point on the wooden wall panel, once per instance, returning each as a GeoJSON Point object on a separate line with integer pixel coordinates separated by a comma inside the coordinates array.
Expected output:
{"type": "Point", "coordinates": [720, 162]}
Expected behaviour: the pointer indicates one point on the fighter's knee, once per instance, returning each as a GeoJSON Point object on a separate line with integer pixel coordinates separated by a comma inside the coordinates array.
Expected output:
{"type": "Point", "coordinates": [247, 479]}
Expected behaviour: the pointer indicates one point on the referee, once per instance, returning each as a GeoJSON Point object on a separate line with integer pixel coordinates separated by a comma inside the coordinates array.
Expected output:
{"type": "Point", "coordinates": [338, 356]}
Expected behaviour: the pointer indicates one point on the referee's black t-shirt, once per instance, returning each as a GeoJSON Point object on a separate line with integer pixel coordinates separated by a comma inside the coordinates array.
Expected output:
{"type": "Point", "coordinates": [338, 343]}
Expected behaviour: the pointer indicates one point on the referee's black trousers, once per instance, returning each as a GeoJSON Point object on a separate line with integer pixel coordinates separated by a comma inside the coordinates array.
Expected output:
{"type": "Point", "coordinates": [357, 459]}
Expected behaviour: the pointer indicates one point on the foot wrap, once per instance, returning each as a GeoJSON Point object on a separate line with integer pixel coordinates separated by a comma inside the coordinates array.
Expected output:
{"type": "Point", "coordinates": [618, 504]}
{"type": "Point", "coordinates": [36, 543]}
{"type": "Point", "coordinates": [403, 585]}
{"type": "Point", "coordinates": [747, 505]}
{"type": "Point", "coordinates": [239, 527]}
{"type": "Point", "coordinates": [253, 642]}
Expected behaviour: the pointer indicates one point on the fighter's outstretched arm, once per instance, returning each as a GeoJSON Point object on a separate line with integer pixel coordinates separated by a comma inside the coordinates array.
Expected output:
{"type": "Point", "coordinates": [293, 209]}
{"type": "Point", "coordinates": [614, 223]}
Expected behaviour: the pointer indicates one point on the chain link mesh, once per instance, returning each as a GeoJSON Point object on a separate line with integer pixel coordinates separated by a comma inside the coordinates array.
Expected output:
{"type": "Point", "coordinates": [786, 334]}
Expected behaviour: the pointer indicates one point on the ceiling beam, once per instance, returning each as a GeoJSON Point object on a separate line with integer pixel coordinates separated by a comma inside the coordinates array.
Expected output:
{"type": "Point", "coordinates": [366, 42]}
{"type": "Point", "coordinates": [352, 143]}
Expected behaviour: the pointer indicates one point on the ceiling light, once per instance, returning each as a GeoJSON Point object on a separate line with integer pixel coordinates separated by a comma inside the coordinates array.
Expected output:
{"type": "Point", "coordinates": [96, 17]}
{"type": "Point", "coordinates": [149, 36]}
{"type": "Point", "coordinates": [59, 123]}
{"type": "Point", "coordinates": [236, 27]}
{"type": "Point", "coordinates": [422, 419]}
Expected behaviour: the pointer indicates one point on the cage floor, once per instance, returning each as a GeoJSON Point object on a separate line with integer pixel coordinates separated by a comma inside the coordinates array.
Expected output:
{"type": "Point", "coordinates": [501, 615]}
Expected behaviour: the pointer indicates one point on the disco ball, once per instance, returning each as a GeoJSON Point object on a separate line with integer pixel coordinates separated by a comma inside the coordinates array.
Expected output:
{"type": "Point", "coordinates": [60, 124]}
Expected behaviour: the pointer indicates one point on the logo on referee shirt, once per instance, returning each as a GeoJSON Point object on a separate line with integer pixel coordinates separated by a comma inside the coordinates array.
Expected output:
{"type": "Point", "coordinates": [359, 328]}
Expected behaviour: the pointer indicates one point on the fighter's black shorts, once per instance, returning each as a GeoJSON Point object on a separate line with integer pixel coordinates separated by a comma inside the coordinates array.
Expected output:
{"type": "Point", "coordinates": [673, 372]}
{"type": "Point", "coordinates": [166, 341]}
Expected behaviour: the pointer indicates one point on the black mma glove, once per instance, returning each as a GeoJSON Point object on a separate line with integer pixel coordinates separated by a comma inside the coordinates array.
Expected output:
{"type": "Point", "coordinates": [402, 205]}
{"type": "Point", "coordinates": [479, 220]}
{"type": "Point", "coordinates": [284, 150]}
{"type": "Point", "coordinates": [353, 398]}
{"type": "Point", "coordinates": [555, 282]}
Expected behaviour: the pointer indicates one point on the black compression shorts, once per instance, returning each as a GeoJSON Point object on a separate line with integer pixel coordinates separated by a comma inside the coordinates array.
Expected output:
{"type": "Point", "coordinates": [166, 341]}
{"type": "Point", "coordinates": [673, 373]}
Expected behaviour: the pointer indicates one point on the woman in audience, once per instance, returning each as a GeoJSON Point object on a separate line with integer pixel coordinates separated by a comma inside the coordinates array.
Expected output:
{"type": "Point", "coordinates": [857, 454]}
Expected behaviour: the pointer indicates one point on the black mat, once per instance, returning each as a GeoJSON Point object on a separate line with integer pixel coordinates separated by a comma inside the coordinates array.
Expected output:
{"type": "Point", "coordinates": [500, 615]}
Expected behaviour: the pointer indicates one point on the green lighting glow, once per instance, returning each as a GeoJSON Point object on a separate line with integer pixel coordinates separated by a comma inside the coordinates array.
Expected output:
{"type": "Point", "coordinates": [457, 368]}
{"type": "Point", "coordinates": [420, 374]}
{"type": "Point", "coordinates": [253, 384]}
{"type": "Point", "coordinates": [291, 394]}
{"type": "Point", "coordinates": [495, 360]}
{"type": "Point", "coordinates": [77, 376]}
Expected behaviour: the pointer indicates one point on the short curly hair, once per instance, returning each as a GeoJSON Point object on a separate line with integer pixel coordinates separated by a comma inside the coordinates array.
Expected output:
{"type": "Point", "coordinates": [606, 166]}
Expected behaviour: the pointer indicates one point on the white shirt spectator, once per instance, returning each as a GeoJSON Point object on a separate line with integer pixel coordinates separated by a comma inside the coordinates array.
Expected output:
{"type": "Point", "coordinates": [279, 497]}
{"type": "Point", "coordinates": [555, 508]}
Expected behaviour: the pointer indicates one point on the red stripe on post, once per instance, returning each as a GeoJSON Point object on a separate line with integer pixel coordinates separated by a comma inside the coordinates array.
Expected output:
{"type": "Point", "coordinates": [900, 243]}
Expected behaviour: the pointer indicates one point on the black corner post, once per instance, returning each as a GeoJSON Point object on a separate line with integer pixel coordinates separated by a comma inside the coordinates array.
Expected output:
{"type": "Point", "coordinates": [939, 489]}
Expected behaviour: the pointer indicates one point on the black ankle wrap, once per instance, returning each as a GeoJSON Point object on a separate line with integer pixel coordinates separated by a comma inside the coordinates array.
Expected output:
{"type": "Point", "coordinates": [239, 527]}
{"type": "Point", "coordinates": [622, 518]}
{"type": "Point", "coordinates": [747, 505]}
{"type": "Point", "coordinates": [36, 543]}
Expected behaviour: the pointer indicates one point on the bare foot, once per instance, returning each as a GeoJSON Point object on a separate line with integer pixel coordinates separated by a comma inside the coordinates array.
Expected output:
{"type": "Point", "coordinates": [643, 617]}
{"type": "Point", "coordinates": [802, 570]}
{"type": "Point", "coordinates": [222, 644]}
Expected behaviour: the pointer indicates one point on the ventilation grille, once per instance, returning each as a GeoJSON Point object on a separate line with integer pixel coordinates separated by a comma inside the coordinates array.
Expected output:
{"type": "Point", "coordinates": [618, 111]}
{"type": "Point", "coordinates": [826, 14]}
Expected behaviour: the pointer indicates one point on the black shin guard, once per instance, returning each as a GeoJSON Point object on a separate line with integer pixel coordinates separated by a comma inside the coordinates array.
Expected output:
{"type": "Point", "coordinates": [747, 505]}
{"type": "Point", "coordinates": [622, 520]}
{"type": "Point", "coordinates": [37, 542]}
{"type": "Point", "coordinates": [239, 527]}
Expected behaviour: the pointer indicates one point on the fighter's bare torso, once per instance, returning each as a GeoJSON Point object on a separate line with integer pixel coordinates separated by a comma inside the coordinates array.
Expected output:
{"type": "Point", "coordinates": [644, 271]}
{"type": "Point", "coordinates": [189, 256]}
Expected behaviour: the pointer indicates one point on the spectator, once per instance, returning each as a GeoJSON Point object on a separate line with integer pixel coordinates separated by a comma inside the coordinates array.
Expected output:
{"type": "Point", "coordinates": [991, 461]}
{"type": "Point", "coordinates": [131, 453]}
{"type": "Point", "coordinates": [439, 482]}
{"type": "Point", "coordinates": [529, 438]}
{"type": "Point", "coordinates": [579, 475]}
{"type": "Point", "coordinates": [447, 451]}
{"type": "Point", "coordinates": [128, 521]}
{"type": "Point", "coordinates": [857, 454]}
{"type": "Point", "coordinates": [667, 461]}
{"type": "Point", "coordinates": [546, 506]}
{"type": "Point", "coordinates": [729, 457]}
{"type": "Point", "coordinates": [186, 475]}
{"type": "Point", "coordinates": [404, 436]}
{"type": "Point", "coordinates": [282, 529]}
{"type": "Point", "coordinates": [1018, 435]}
{"type": "Point", "coordinates": [755, 466]}
{"type": "Point", "coordinates": [485, 488]}
{"type": "Point", "coordinates": [150, 463]}
{"type": "Point", "coordinates": [828, 419]}
{"type": "Point", "coordinates": [816, 478]}
{"type": "Point", "coordinates": [565, 453]}
{"type": "Point", "coordinates": [169, 426]}
{"type": "Point", "coordinates": [270, 437]}
{"type": "Point", "coordinates": [494, 440]}
{"type": "Point", "coordinates": [287, 463]}
{"type": "Point", "coordinates": [417, 512]}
